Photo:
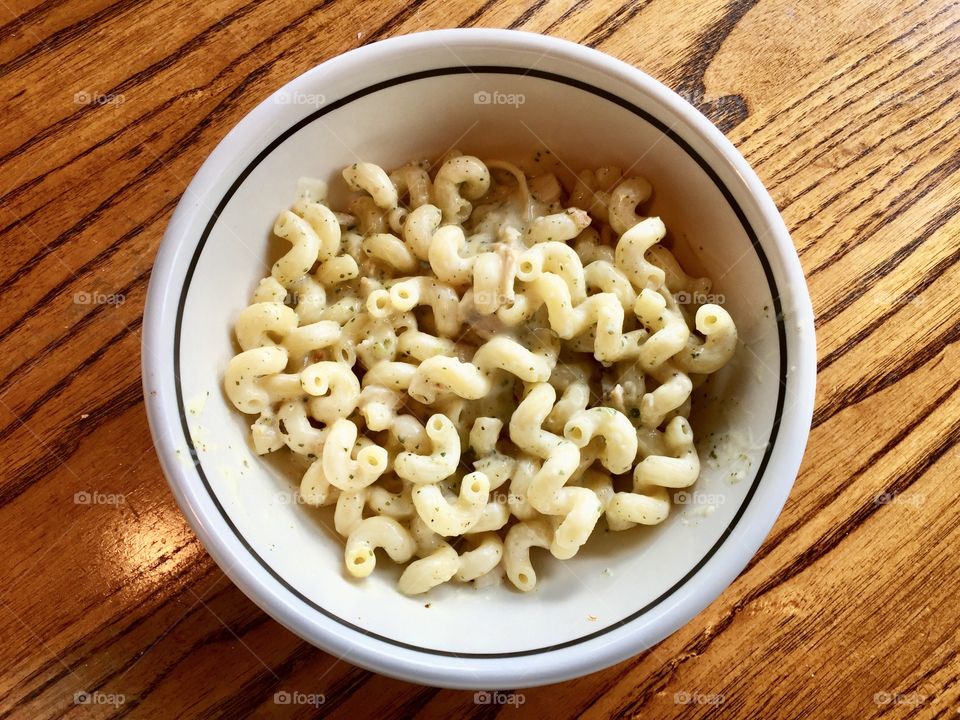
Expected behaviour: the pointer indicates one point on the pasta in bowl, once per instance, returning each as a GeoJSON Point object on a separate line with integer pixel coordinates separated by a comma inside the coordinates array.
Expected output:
{"type": "Point", "coordinates": [524, 314]}
{"type": "Point", "coordinates": [475, 362]}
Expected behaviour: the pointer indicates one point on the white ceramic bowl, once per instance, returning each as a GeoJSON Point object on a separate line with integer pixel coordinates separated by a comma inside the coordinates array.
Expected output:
{"type": "Point", "coordinates": [491, 93]}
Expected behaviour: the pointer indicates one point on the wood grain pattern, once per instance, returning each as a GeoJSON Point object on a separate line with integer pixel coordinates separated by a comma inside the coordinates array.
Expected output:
{"type": "Point", "coordinates": [849, 113]}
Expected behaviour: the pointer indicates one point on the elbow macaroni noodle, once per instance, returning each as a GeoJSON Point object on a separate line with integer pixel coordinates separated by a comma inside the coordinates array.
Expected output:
{"type": "Point", "coordinates": [471, 367]}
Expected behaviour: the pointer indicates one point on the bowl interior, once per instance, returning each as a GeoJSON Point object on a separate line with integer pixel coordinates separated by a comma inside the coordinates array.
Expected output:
{"type": "Point", "coordinates": [321, 128]}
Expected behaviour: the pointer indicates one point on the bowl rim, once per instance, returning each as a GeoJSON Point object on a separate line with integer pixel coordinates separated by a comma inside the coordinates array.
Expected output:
{"type": "Point", "coordinates": [443, 668]}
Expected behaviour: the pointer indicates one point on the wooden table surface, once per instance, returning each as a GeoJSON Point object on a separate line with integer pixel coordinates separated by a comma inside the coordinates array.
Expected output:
{"type": "Point", "coordinates": [848, 111]}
